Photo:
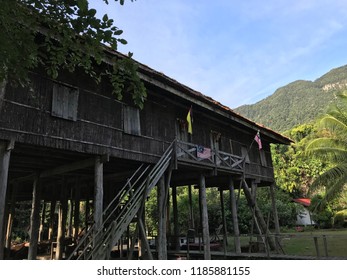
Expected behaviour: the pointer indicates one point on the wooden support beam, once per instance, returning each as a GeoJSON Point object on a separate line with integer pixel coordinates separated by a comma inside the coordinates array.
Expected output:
{"type": "Point", "coordinates": [63, 169]}
{"type": "Point", "coordinates": [191, 210]}
{"type": "Point", "coordinates": [43, 217]}
{"type": "Point", "coordinates": [5, 152]}
{"type": "Point", "coordinates": [76, 216]}
{"type": "Point", "coordinates": [62, 216]}
{"type": "Point", "coordinates": [224, 221]}
{"type": "Point", "coordinates": [162, 203]}
{"type": "Point", "coordinates": [204, 218]}
{"type": "Point", "coordinates": [98, 199]}
{"type": "Point", "coordinates": [275, 216]}
{"type": "Point", "coordinates": [175, 218]}
{"type": "Point", "coordinates": [258, 214]}
{"type": "Point", "coordinates": [87, 214]}
{"type": "Point", "coordinates": [34, 220]}
{"type": "Point", "coordinates": [234, 217]}
{"type": "Point", "coordinates": [71, 206]}
{"type": "Point", "coordinates": [144, 242]}
{"type": "Point", "coordinates": [51, 220]}
{"type": "Point", "coordinates": [98, 192]}
{"type": "Point", "coordinates": [10, 218]}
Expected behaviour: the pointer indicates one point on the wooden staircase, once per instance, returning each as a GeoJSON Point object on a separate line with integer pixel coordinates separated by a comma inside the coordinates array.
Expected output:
{"type": "Point", "coordinates": [97, 243]}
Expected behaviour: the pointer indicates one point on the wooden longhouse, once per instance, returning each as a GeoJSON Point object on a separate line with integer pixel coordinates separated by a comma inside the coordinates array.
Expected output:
{"type": "Point", "coordinates": [69, 140]}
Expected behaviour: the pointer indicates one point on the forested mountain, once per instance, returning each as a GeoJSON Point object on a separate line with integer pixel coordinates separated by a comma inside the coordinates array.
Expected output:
{"type": "Point", "coordinates": [298, 102]}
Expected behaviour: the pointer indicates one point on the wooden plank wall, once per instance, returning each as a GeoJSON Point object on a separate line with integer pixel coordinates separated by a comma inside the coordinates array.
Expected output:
{"type": "Point", "coordinates": [98, 127]}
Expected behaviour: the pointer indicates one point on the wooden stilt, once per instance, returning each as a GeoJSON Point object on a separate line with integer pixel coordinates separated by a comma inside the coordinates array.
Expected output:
{"type": "Point", "coordinates": [162, 245]}
{"type": "Point", "coordinates": [98, 192]}
{"type": "Point", "coordinates": [224, 221]}
{"type": "Point", "coordinates": [10, 218]}
{"type": "Point", "coordinates": [87, 214]}
{"type": "Point", "coordinates": [98, 198]}
{"type": "Point", "coordinates": [128, 241]}
{"type": "Point", "coordinates": [62, 216]}
{"type": "Point", "coordinates": [257, 212]}
{"type": "Point", "coordinates": [275, 216]}
{"type": "Point", "coordinates": [34, 220]}
{"type": "Point", "coordinates": [42, 222]}
{"type": "Point", "coordinates": [168, 203]}
{"type": "Point", "coordinates": [175, 218]}
{"type": "Point", "coordinates": [70, 215]}
{"type": "Point", "coordinates": [191, 210]}
{"type": "Point", "coordinates": [144, 241]}
{"type": "Point", "coordinates": [234, 217]}
{"type": "Point", "coordinates": [204, 218]}
{"type": "Point", "coordinates": [76, 216]}
{"type": "Point", "coordinates": [51, 220]}
{"type": "Point", "coordinates": [5, 152]}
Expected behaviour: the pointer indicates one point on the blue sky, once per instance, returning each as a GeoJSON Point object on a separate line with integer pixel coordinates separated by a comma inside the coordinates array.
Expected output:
{"type": "Point", "coordinates": [235, 51]}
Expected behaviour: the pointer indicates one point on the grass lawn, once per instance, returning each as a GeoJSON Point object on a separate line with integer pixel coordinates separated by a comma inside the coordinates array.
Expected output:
{"type": "Point", "coordinates": [302, 243]}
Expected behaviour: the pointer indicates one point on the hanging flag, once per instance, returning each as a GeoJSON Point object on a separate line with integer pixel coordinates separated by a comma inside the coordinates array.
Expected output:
{"type": "Point", "coordinates": [258, 140]}
{"type": "Point", "coordinates": [190, 120]}
{"type": "Point", "coordinates": [203, 152]}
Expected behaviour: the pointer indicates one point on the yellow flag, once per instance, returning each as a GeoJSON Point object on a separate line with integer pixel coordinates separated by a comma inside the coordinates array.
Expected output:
{"type": "Point", "coordinates": [190, 121]}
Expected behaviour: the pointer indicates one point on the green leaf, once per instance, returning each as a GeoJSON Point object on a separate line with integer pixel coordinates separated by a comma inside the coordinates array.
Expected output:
{"type": "Point", "coordinates": [122, 41]}
{"type": "Point", "coordinates": [92, 12]}
{"type": "Point", "coordinates": [82, 5]}
{"type": "Point", "coordinates": [118, 32]}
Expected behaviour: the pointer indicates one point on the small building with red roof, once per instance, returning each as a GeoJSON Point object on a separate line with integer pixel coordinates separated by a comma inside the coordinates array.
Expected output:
{"type": "Point", "coordinates": [304, 215]}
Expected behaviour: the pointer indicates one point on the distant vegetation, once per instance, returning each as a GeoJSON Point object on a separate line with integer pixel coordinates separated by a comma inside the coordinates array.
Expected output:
{"type": "Point", "coordinates": [297, 103]}
{"type": "Point", "coordinates": [296, 110]}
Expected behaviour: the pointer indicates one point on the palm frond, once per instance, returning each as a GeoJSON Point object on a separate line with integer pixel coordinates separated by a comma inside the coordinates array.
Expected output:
{"type": "Point", "coordinates": [335, 124]}
{"type": "Point", "coordinates": [334, 150]}
{"type": "Point", "coordinates": [330, 177]}
{"type": "Point", "coordinates": [332, 192]}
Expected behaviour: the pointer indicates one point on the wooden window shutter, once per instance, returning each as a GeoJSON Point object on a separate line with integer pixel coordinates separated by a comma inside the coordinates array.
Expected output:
{"type": "Point", "coordinates": [65, 102]}
{"type": "Point", "coordinates": [132, 120]}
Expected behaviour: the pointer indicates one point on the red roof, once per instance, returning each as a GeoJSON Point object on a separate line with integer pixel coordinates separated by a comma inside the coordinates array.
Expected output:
{"type": "Point", "coordinates": [303, 201]}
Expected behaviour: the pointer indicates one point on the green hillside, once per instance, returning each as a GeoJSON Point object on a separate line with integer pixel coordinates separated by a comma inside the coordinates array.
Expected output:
{"type": "Point", "coordinates": [298, 102]}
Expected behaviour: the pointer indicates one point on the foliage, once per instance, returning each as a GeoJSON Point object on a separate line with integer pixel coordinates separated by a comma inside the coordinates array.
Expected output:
{"type": "Point", "coordinates": [20, 230]}
{"type": "Point", "coordinates": [323, 216]}
{"type": "Point", "coordinates": [286, 210]}
{"type": "Point", "coordinates": [60, 35]}
{"type": "Point", "coordinates": [340, 219]}
{"type": "Point", "coordinates": [297, 103]}
{"type": "Point", "coordinates": [331, 147]}
{"type": "Point", "coordinates": [294, 172]}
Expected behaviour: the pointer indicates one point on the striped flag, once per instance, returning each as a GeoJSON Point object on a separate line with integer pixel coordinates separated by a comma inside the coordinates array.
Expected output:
{"type": "Point", "coordinates": [203, 152]}
{"type": "Point", "coordinates": [258, 140]}
{"type": "Point", "coordinates": [190, 121]}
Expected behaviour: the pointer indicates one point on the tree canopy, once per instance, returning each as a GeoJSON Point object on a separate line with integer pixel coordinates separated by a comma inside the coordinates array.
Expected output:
{"type": "Point", "coordinates": [331, 147]}
{"type": "Point", "coordinates": [60, 35]}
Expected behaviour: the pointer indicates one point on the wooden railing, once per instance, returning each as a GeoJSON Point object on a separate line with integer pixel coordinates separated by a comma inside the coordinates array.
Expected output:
{"type": "Point", "coordinates": [196, 153]}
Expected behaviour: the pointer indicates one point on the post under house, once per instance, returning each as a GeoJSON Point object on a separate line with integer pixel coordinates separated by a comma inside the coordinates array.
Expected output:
{"type": "Point", "coordinates": [35, 219]}
{"type": "Point", "coordinates": [233, 203]}
{"type": "Point", "coordinates": [5, 152]}
{"type": "Point", "coordinates": [162, 213]}
{"type": "Point", "coordinates": [204, 218]}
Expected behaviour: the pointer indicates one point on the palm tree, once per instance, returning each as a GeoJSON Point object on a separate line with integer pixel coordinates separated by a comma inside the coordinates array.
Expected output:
{"type": "Point", "coordinates": [331, 147]}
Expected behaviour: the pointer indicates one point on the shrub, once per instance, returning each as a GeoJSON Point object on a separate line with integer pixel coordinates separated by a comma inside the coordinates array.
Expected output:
{"type": "Point", "coordinates": [340, 219]}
